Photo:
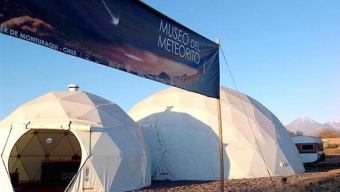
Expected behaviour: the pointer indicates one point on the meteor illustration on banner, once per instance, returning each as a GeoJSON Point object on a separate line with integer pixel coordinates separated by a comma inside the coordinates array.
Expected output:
{"type": "Point", "coordinates": [123, 34]}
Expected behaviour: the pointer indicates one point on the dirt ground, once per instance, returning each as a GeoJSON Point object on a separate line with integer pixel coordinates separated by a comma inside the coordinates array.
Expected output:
{"type": "Point", "coordinates": [324, 176]}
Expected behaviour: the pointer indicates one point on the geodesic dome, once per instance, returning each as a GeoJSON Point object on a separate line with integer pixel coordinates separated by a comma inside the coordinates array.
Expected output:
{"type": "Point", "coordinates": [181, 129]}
{"type": "Point", "coordinates": [74, 126]}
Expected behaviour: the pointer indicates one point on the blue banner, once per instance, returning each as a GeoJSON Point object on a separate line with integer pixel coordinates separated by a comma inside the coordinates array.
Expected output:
{"type": "Point", "coordinates": [123, 34]}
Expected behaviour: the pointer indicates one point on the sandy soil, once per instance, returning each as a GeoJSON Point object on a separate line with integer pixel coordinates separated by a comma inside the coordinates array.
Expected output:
{"type": "Point", "coordinates": [323, 176]}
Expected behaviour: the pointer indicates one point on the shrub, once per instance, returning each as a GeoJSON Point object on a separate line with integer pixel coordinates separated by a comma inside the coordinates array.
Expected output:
{"type": "Point", "coordinates": [332, 146]}
{"type": "Point", "coordinates": [328, 134]}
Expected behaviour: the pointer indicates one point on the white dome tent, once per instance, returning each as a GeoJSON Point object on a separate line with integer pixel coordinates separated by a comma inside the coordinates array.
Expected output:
{"type": "Point", "coordinates": [181, 129]}
{"type": "Point", "coordinates": [87, 136]}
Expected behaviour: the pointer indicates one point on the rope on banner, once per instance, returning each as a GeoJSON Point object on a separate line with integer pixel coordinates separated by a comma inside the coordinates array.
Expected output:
{"type": "Point", "coordinates": [252, 129]}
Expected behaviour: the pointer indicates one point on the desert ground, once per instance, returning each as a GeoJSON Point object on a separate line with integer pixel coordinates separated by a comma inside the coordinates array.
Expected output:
{"type": "Point", "coordinates": [323, 176]}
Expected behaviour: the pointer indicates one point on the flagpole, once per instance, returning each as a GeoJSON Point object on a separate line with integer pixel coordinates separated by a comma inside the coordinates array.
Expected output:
{"type": "Point", "coordinates": [220, 138]}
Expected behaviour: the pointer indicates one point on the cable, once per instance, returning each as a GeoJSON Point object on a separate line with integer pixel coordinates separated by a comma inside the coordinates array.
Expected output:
{"type": "Point", "coordinates": [239, 96]}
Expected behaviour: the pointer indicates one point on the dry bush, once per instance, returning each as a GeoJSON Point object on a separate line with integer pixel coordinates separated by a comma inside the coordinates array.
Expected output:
{"type": "Point", "coordinates": [332, 151]}
{"type": "Point", "coordinates": [328, 133]}
{"type": "Point", "coordinates": [300, 133]}
{"type": "Point", "coordinates": [292, 133]}
{"type": "Point", "coordinates": [332, 146]}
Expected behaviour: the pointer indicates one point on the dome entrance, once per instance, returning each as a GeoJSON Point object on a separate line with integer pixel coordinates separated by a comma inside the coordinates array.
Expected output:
{"type": "Point", "coordinates": [44, 158]}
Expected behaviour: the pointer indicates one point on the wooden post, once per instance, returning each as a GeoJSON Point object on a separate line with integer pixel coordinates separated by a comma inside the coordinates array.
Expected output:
{"type": "Point", "coordinates": [220, 138]}
{"type": "Point", "coordinates": [221, 144]}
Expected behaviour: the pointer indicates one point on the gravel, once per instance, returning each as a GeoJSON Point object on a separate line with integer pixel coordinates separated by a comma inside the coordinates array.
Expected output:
{"type": "Point", "coordinates": [319, 177]}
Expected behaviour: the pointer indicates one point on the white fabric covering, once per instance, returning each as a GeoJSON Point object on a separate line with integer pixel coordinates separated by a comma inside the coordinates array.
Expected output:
{"type": "Point", "coordinates": [181, 129]}
{"type": "Point", "coordinates": [110, 143]}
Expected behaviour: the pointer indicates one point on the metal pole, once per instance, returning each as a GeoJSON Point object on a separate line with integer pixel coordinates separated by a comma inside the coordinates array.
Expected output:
{"type": "Point", "coordinates": [2, 153]}
{"type": "Point", "coordinates": [220, 138]}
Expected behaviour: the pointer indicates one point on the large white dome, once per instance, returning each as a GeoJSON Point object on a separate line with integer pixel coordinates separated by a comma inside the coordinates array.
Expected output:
{"type": "Point", "coordinates": [181, 129]}
{"type": "Point", "coordinates": [61, 125]}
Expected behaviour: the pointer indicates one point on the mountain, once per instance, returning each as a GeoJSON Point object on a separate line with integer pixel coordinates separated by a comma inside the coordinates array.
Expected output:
{"type": "Point", "coordinates": [307, 126]}
{"type": "Point", "coordinates": [334, 124]}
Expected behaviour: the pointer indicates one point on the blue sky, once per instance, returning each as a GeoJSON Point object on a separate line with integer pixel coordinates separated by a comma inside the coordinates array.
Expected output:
{"type": "Point", "coordinates": [285, 54]}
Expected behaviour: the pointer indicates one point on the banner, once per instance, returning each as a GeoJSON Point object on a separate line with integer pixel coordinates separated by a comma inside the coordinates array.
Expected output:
{"type": "Point", "coordinates": [122, 34]}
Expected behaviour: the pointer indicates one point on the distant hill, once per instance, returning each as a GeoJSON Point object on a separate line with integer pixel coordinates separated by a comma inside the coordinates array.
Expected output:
{"type": "Point", "coordinates": [307, 126]}
{"type": "Point", "coordinates": [334, 124]}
